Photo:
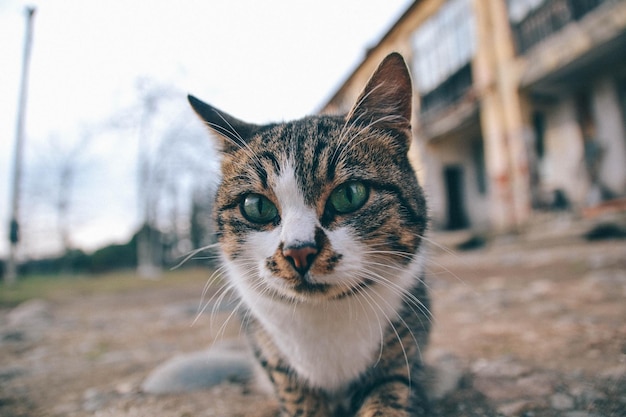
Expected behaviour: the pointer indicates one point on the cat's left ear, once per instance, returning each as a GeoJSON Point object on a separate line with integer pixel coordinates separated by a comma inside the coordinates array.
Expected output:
{"type": "Point", "coordinates": [234, 132]}
{"type": "Point", "coordinates": [385, 103]}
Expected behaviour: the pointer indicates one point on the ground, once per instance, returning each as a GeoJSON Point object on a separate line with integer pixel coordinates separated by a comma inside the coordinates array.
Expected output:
{"type": "Point", "coordinates": [521, 327]}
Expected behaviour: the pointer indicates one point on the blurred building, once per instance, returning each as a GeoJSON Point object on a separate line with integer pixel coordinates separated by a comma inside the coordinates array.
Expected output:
{"type": "Point", "coordinates": [520, 105]}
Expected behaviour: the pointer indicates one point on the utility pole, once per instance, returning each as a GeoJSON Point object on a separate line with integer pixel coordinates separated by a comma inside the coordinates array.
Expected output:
{"type": "Point", "coordinates": [146, 265]}
{"type": "Point", "coordinates": [14, 226]}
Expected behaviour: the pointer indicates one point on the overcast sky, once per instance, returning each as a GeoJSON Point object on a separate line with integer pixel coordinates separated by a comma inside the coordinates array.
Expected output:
{"type": "Point", "coordinates": [259, 60]}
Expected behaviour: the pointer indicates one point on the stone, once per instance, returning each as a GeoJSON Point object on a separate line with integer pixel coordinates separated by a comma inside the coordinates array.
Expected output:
{"type": "Point", "coordinates": [125, 388]}
{"type": "Point", "coordinates": [199, 370]}
{"type": "Point", "coordinates": [447, 371]}
{"type": "Point", "coordinates": [577, 414]}
{"type": "Point", "coordinates": [615, 373]}
{"type": "Point", "coordinates": [501, 367]}
{"type": "Point", "coordinates": [497, 389]}
{"type": "Point", "coordinates": [13, 336]}
{"type": "Point", "coordinates": [509, 388]}
{"type": "Point", "coordinates": [560, 401]}
{"type": "Point", "coordinates": [586, 393]}
{"type": "Point", "coordinates": [31, 313]}
{"type": "Point", "coordinates": [537, 384]}
{"type": "Point", "coordinates": [94, 400]}
{"type": "Point", "coordinates": [11, 372]}
{"type": "Point", "coordinates": [514, 408]}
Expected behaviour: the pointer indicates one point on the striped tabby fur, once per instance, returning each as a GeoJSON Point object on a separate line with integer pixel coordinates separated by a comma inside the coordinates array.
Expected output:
{"type": "Point", "coordinates": [319, 223]}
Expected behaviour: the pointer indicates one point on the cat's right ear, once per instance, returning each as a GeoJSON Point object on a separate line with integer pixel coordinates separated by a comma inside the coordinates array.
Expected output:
{"type": "Point", "coordinates": [385, 102]}
{"type": "Point", "coordinates": [233, 132]}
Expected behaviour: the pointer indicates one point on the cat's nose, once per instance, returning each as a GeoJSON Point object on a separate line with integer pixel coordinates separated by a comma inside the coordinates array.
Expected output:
{"type": "Point", "coordinates": [301, 257]}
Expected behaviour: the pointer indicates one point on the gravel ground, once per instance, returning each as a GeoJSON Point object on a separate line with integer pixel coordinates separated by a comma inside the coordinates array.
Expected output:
{"type": "Point", "coordinates": [521, 329]}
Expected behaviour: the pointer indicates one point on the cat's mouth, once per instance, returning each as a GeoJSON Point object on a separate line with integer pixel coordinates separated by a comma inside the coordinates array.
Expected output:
{"type": "Point", "coordinates": [354, 290]}
{"type": "Point", "coordinates": [309, 291]}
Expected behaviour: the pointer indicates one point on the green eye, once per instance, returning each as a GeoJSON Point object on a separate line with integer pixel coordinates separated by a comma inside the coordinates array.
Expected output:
{"type": "Point", "coordinates": [349, 197]}
{"type": "Point", "coordinates": [258, 209]}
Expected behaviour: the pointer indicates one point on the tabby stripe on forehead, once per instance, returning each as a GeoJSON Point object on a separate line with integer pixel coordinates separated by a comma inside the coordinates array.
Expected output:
{"type": "Point", "coordinates": [260, 169]}
{"type": "Point", "coordinates": [262, 173]}
{"type": "Point", "coordinates": [331, 166]}
{"type": "Point", "coordinates": [317, 152]}
{"type": "Point", "coordinates": [272, 158]}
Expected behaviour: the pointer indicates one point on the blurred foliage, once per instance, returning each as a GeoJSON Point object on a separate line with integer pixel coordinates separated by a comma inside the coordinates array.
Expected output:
{"type": "Point", "coordinates": [59, 287]}
{"type": "Point", "coordinates": [115, 257]}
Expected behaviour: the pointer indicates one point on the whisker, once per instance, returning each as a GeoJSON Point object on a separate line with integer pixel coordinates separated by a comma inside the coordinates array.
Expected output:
{"type": "Point", "coordinates": [430, 259]}
{"type": "Point", "coordinates": [380, 326]}
{"type": "Point", "coordinates": [411, 299]}
{"type": "Point", "coordinates": [395, 331]}
{"type": "Point", "coordinates": [204, 304]}
{"type": "Point", "coordinates": [193, 253]}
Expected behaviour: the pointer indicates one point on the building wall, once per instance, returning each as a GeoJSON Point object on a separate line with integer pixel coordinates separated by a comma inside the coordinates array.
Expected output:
{"type": "Point", "coordinates": [580, 60]}
{"type": "Point", "coordinates": [562, 168]}
{"type": "Point", "coordinates": [497, 113]}
{"type": "Point", "coordinates": [611, 134]}
{"type": "Point", "coordinates": [458, 152]}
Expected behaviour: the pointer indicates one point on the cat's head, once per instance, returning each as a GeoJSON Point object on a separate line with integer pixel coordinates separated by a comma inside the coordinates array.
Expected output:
{"type": "Point", "coordinates": [323, 207]}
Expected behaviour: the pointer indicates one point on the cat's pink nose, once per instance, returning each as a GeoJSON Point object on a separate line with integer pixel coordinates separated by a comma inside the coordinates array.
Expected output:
{"type": "Point", "coordinates": [300, 257]}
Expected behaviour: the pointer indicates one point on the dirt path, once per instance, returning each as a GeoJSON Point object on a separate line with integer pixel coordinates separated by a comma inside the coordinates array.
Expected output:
{"type": "Point", "coordinates": [519, 330]}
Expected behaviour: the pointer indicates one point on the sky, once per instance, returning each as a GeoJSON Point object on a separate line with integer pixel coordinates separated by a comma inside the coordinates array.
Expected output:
{"type": "Point", "coordinates": [261, 61]}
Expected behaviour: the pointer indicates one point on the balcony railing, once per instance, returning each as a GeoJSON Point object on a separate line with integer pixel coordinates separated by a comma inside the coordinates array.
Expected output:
{"type": "Point", "coordinates": [448, 92]}
{"type": "Point", "coordinates": [549, 18]}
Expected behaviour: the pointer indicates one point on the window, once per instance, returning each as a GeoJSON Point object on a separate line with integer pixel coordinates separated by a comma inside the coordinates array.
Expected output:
{"type": "Point", "coordinates": [443, 44]}
{"type": "Point", "coordinates": [478, 156]}
{"type": "Point", "coordinates": [519, 9]}
{"type": "Point", "coordinates": [539, 128]}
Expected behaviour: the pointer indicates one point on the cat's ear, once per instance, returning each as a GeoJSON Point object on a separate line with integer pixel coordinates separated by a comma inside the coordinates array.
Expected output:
{"type": "Point", "coordinates": [234, 132]}
{"type": "Point", "coordinates": [385, 102]}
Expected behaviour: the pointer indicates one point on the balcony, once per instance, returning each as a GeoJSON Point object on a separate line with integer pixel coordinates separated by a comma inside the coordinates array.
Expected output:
{"type": "Point", "coordinates": [448, 92]}
{"type": "Point", "coordinates": [549, 18]}
{"type": "Point", "coordinates": [450, 108]}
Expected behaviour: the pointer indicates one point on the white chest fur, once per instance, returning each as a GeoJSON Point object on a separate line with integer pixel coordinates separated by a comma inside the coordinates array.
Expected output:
{"type": "Point", "coordinates": [327, 345]}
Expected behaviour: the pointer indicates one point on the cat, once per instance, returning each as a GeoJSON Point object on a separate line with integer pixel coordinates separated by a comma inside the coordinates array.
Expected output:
{"type": "Point", "coordinates": [319, 224]}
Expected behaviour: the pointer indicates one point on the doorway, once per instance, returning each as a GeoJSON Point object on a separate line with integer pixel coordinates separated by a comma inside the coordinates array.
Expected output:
{"type": "Point", "coordinates": [453, 177]}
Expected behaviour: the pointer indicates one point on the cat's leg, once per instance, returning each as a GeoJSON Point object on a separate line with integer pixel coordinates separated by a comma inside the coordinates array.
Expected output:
{"type": "Point", "coordinates": [398, 390]}
{"type": "Point", "coordinates": [396, 397]}
{"type": "Point", "coordinates": [295, 397]}
{"type": "Point", "coordinates": [395, 388]}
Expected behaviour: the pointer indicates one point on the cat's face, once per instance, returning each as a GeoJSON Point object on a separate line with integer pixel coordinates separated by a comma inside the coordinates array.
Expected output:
{"type": "Point", "coordinates": [321, 208]}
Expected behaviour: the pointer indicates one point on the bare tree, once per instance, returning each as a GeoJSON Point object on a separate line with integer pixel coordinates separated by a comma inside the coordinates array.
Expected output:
{"type": "Point", "coordinates": [152, 98]}
{"type": "Point", "coordinates": [174, 161]}
{"type": "Point", "coordinates": [70, 164]}
{"type": "Point", "coordinates": [183, 162]}
{"type": "Point", "coordinates": [50, 191]}
{"type": "Point", "coordinates": [174, 158]}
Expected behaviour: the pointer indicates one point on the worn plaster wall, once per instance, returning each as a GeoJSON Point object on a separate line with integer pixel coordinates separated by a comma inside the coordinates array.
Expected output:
{"type": "Point", "coordinates": [562, 168]}
{"type": "Point", "coordinates": [610, 133]}
{"type": "Point", "coordinates": [455, 152]}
